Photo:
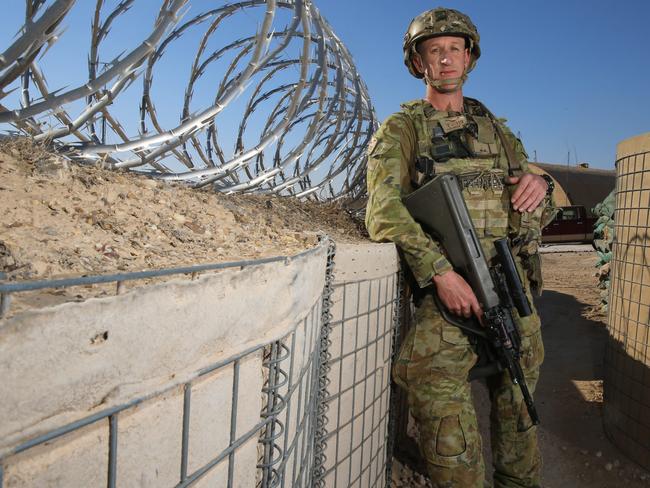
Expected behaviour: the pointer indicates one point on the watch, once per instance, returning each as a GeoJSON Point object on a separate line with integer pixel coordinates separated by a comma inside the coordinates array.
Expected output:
{"type": "Point", "coordinates": [550, 183]}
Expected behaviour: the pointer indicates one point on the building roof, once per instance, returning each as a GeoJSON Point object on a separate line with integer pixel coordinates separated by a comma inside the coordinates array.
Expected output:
{"type": "Point", "coordinates": [582, 185]}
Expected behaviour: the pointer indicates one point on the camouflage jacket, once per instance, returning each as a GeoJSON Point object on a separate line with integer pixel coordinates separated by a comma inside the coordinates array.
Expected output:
{"type": "Point", "coordinates": [392, 173]}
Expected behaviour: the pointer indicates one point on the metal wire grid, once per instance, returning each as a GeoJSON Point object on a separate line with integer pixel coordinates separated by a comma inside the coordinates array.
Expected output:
{"type": "Point", "coordinates": [9, 288]}
{"type": "Point", "coordinates": [627, 359]}
{"type": "Point", "coordinates": [320, 442]}
{"type": "Point", "coordinates": [286, 427]}
{"type": "Point", "coordinates": [317, 125]}
{"type": "Point", "coordinates": [398, 320]}
{"type": "Point", "coordinates": [299, 406]}
{"type": "Point", "coordinates": [296, 446]}
{"type": "Point", "coordinates": [630, 263]}
{"type": "Point", "coordinates": [358, 410]}
{"type": "Point", "coordinates": [287, 440]}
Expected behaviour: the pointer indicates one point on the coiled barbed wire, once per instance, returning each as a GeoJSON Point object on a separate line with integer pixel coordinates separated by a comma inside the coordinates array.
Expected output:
{"type": "Point", "coordinates": [272, 101]}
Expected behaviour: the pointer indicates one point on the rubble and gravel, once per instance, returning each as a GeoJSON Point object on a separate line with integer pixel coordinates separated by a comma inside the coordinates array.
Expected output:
{"type": "Point", "coordinates": [61, 219]}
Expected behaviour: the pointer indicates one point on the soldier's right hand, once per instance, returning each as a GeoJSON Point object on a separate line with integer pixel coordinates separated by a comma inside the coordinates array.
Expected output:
{"type": "Point", "coordinates": [457, 295]}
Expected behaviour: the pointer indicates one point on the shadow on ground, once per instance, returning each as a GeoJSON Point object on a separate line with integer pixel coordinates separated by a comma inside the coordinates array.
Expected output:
{"type": "Point", "coordinates": [575, 449]}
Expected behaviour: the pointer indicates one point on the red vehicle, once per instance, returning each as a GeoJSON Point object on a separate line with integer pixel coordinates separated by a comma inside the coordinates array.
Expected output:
{"type": "Point", "coordinates": [571, 224]}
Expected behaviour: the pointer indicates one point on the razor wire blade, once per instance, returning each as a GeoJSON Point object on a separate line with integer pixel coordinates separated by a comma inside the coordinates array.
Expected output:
{"type": "Point", "coordinates": [255, 95]}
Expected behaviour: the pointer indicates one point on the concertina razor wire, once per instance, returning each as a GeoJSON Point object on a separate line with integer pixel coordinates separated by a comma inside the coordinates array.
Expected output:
{"type": "Point", "coordinates": [267, 98]}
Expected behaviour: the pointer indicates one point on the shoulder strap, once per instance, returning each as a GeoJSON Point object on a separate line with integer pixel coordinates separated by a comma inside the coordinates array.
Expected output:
{"type": "Point", "coordinates": [514, 167]}
{"type": "Point", "coordinates": [416, 113]}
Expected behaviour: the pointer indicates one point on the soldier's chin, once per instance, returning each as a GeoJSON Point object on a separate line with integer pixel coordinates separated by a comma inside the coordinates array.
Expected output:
{"type": "Point", "coordinates": [448, 86]}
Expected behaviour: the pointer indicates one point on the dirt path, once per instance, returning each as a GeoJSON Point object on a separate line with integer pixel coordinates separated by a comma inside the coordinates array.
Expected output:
{"type": "Point", "coordinates": [576, 452]}
{"type": "Point", "coordinates": [575, 449]}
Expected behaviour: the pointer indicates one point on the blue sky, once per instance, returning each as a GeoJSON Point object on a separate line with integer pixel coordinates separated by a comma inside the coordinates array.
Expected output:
{"type": "Point", "coordinates": [571, 77]}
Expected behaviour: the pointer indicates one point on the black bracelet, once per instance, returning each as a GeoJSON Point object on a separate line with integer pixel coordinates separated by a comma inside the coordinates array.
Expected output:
{"type": "Point", "coordinates": [550, 183]}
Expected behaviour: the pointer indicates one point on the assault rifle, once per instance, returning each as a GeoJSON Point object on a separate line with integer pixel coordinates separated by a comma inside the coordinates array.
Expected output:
{"type": "Point", "coordinates": [440, 208]}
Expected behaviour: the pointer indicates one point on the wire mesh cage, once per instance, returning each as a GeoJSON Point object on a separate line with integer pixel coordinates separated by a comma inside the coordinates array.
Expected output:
{"type": "Point", "coordinates": [627, 361]}
{"type": "Point", "coordinates": [271, 397]}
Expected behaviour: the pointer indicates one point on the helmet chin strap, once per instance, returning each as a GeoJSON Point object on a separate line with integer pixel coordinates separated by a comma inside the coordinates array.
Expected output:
{"type": "Point", "coordinates": [449, 85]}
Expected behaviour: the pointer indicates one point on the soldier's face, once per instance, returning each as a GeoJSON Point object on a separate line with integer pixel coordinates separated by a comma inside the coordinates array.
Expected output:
{"type": "Point", "coordinates": [443, 58]}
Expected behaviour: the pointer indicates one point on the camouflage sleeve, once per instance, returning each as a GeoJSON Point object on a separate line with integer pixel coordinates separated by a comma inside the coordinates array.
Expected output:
{"type": "Point", "coordinates": [548, 203]}
{"type": "Point", "coordinates": [527, 227]}
{"type": "Point", "coordinates": [515, 142]}
{"type": "Point", "coordinates": [386, 217]}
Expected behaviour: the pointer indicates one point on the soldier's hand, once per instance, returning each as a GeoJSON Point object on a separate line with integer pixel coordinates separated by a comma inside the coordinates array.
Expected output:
{"type": "Point", "coordinates": [530, 191]}
{"type": "Point", "coordinates": [457, 295]}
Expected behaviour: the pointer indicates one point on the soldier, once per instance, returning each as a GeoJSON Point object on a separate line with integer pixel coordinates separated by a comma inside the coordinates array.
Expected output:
{"type": "Point", "coordinates": [446, 132]}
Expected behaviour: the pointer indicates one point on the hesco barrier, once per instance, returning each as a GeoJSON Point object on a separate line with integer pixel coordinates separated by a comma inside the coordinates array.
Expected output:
{"type": "Point", "coordinates": [266, 373]}
{"type": "Point", "coordinates": [627, 362]}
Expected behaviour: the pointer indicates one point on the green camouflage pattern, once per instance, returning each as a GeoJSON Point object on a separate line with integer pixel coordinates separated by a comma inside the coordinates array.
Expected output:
{"type": "Point", "coordinates": [436, 357]}
{"type": "Point", "coordinates": [404, 137]}
{"type": "Point", "coordinates": [432, 365]}
{"type": "Point", "coordinates": [390, 167]}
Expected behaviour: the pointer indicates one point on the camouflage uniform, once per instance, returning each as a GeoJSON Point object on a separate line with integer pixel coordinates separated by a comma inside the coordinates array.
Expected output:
{"type": "Point", "coordinates": [436, 357]}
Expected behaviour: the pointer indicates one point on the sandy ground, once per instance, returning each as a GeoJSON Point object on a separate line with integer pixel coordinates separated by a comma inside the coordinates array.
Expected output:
{"type": "Point", "coordinates": [64, 220]}
{"type": "Point", "coordinates": [60, 219]}
{"type": "Point", "coordinates": [576, 452]}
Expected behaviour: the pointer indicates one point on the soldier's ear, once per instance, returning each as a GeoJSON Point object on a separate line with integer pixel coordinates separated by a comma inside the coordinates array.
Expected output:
{"type": "Point", "coordinates": [417, 62]}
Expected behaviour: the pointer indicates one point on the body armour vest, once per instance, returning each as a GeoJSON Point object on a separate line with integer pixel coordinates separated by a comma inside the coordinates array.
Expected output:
{"type": "Point", "coordinates": [467, 145]}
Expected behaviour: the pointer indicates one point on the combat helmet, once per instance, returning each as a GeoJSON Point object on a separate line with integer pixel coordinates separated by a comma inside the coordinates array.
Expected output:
{"type": "Point", "coordinates": [440, 22]}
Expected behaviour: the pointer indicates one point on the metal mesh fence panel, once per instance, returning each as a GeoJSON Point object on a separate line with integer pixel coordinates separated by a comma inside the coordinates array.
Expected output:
{"type": "Point", "coordinates": [627, 361]}
{"type": "Point", "coordinates": [324, 389]}
{"type": "Point", "coordinates": [284, 430]}
{"type": "Point", "coordinates": [359, 391]}
{"type": "Point", "coordinates": [216, 438]}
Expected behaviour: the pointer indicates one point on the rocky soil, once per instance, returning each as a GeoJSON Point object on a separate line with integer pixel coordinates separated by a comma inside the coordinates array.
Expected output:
{"type": "Point", "coordinates": [60, 219]}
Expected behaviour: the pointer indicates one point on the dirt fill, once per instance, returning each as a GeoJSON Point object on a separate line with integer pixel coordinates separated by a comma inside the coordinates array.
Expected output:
{"type": "Point", "coordinates": [63, 219]}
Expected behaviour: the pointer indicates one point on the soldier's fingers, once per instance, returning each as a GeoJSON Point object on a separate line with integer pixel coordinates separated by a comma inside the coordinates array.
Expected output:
{"type": "Point", "coordinates": [535, 204]}
{"type": "Point", "coordinates": [477, 310]}
{"type": "Point", "coordinates": [480, 319]}
{"type": "Point", "coordinates": [512, 180]}
{"type": "Point", "coordinates": [535, 200]}
{"type": "Point", "coordinates": [517, 193]}
{"type": "Point", "coordinates": [529, 204]}
{"type": "Point", "coordinates": [467, 312]}
{"type": "Point", "coordinates": [519, 200]}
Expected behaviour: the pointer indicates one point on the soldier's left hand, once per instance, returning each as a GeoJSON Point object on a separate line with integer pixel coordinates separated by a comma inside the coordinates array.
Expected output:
{"type": "Point", "coordinates": [530, 191]}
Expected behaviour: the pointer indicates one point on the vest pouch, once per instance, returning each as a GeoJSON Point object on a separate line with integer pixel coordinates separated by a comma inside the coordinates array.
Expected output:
{"type": "Point", "coordinates": [488, 203]}
{"type": "Point", "coordinates": [484, 145]}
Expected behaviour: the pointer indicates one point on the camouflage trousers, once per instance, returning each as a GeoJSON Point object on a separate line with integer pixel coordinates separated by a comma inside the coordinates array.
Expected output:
{"type": "Point", "coordinates": [432, 365]}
